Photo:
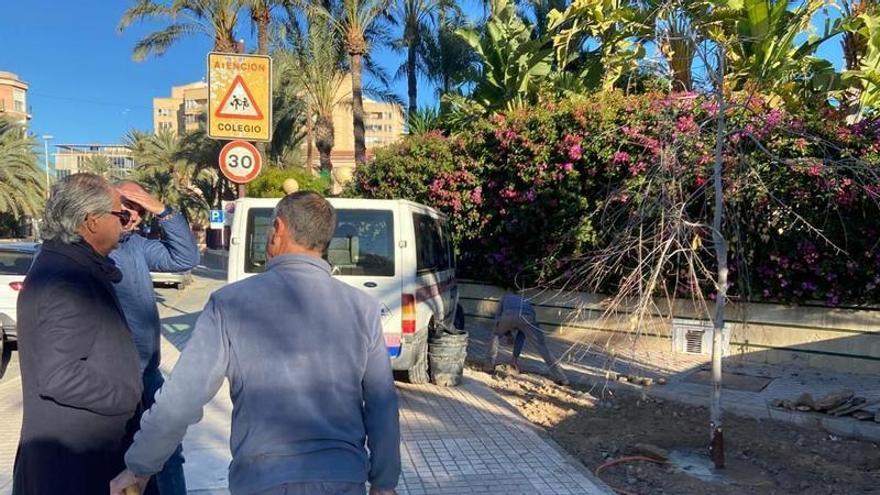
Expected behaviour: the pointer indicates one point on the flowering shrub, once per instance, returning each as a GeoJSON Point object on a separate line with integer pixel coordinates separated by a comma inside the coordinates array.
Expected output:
{"type": "Point", "coordinates": [532, 189]}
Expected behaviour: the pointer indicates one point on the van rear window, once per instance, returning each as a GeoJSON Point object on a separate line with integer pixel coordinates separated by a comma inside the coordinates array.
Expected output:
{"type": "Point", "coordinates": [362, 245]}
{"type": "Point", "coordinates": [258, 223]}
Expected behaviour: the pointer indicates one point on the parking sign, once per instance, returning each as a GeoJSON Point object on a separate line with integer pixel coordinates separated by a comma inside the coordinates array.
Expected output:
{"type": "Point", "coordinates": [217, 219]}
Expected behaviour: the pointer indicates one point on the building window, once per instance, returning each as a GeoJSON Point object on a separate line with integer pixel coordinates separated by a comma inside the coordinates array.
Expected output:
{"type": "Point", "coordinates": [62, 173]}
{"type": "Point", "coordinates": [191, 119]}
{"type": "Point", "coordinates": [18, 100]}
{"type": "Point", "coordinates": [164, 126]}
{"type": "Point", "coordinates": [192, 105]}
{"type": "Point", "coordinates": [164, 112]}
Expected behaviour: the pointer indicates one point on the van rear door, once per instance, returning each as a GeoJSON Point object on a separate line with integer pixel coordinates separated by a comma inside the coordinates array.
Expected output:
{"type": "Point", "coordinates": [363, 253]}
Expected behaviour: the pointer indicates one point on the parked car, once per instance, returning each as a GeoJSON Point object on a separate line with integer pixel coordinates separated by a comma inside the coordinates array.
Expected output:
{"type": "Point", "coordinates": [15, 260]}
{"type": "Point", "coordinates": [398, 251]}
{"type": "Point", "coordinates": [176, 279]}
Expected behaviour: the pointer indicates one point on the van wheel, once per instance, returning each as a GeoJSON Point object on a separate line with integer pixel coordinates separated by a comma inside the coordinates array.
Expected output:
{"type": "Point", "coordinates": [418, 373]}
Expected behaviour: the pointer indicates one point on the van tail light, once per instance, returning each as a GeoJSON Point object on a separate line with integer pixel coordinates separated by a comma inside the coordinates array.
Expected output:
{"type": "Point", "coordinates": [16, 286]}
{"type": "Point", "coordinates": [408, 314]}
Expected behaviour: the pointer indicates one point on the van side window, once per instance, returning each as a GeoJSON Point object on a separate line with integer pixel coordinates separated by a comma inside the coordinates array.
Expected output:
{"type": "Point", "coordinates": [363, 244]}
{"type": "Point", "coordinates": [449, 246]}
{"type": "Point", "coordinates": [432, 253]}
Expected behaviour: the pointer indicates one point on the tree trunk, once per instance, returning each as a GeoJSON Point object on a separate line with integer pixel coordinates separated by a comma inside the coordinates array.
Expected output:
{"type": "Point", "coordinates": [261, 18]}
{"type": "Point", "coordinates": [324, 156]}
{"type": "Point", "coordinates": [310, 142]}
{"type": "Point", "coordinates": [681, 77]}
{"type": "Point", "coordinates": [716, 437]}
{"type": "Point", "coordinates": [357, 110]}
{"type": "Point", "coordinates": [411, 77]}
{"type": "Point", "coordinates": [324, 140]}
{"type": "Point", "coordinates": [224, 43]}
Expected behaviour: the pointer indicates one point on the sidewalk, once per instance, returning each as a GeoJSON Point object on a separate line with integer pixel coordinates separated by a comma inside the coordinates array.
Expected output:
{"type": "Point", "coordinates": [461, 440]}
{"type": "Point", "coordinates": [586, 365]}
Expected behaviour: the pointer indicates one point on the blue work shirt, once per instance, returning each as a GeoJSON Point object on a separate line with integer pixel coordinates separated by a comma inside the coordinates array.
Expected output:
{"type": "Point", "coordinates": [136, 256]}
{"type": "Point", "coordinates": [310, 380]}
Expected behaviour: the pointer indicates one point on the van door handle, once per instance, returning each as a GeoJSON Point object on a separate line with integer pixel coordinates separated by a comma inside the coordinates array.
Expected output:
{"type": "Point", "coordinates": [371, 285]}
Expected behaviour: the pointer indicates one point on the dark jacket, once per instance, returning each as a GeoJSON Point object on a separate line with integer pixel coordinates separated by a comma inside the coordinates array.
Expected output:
{"type": "Point", "coordinates": [79, 373]}
{"type": "Point", "coordinates": [136, 257]}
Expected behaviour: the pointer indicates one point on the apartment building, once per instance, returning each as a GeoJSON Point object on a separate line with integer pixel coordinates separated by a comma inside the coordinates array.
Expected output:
{"type": "Point", "coordinates": [13, 97]}
{"type": "Point", "coordinates": [76, 158]}
{"type": "Point", "coordinates": [184, 111]}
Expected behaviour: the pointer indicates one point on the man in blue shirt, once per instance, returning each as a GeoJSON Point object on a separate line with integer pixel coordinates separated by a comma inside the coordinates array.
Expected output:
{"type": "Point", "coordinates": [516, 316]}
{"type": "Point", "coordinates": [314, 405]}
{"type": "Point", "coordinates": [136, 257]}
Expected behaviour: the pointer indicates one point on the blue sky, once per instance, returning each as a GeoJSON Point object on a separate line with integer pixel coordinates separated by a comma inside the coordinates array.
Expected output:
{"type": "Point", "coordinates": [84, 86]}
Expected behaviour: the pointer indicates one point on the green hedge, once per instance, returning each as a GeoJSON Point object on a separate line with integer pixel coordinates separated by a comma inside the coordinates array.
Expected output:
{"type": "Point", "coordinates": [538, 192]}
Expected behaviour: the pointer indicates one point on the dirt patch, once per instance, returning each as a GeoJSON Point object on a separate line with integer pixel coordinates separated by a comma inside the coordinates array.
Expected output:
{"type": "Point", "coordinates": [763, 457]}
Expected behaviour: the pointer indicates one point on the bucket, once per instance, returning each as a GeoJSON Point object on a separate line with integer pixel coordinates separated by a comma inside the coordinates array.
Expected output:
{"type": "Point", "coordinates": [446, 355]}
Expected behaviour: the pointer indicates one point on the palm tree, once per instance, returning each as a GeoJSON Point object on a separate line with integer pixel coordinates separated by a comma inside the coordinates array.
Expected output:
{"type": "Point", "coordinates": [214, 18]}
{"type": "Point", "coordinates": [311, 57]}
{"type": "Point", "coordinates": [289, 115]}
{"type": "Point", "coordinates": [101, 165]}
{"type": "Point", "coordinates": [855, 44]}
{"type": "Point", "coordinates": [419, 17]}
{"type": "Point", "coordinates": [677, 33]}
{"type": "Point", "coordinates": [449, 60]}
{"type": "Point", "coordinates": [261, 17]}
{"type": "Point", "coordinates": [360, 24]}
{"type": "Point", "coordinates": [21, 182]}
{"type": "Point", "coordinates": [166, 168]}
{"type": "Point", "coordinates": [161, 152]}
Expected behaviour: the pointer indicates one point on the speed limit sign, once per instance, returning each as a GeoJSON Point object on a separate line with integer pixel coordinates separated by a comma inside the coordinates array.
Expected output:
{"type": "Point", "coordinates": [240, 162]}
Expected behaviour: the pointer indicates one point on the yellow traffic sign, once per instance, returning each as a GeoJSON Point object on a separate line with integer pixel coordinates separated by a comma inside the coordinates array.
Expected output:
{"type": "Point", "coordinates": [239, 96]}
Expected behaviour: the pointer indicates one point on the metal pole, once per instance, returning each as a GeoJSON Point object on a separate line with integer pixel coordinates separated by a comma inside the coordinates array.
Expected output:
{"type": "Point", "coordinates": [716, 430]}
{"type": "Point", "coordinates": [46, 139]}
{"type": "Point", "coordinates": [242, 188]}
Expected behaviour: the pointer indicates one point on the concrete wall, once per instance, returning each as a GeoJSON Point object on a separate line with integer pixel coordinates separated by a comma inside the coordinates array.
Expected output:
{"type": "Point", "coordinates": [846, 340]}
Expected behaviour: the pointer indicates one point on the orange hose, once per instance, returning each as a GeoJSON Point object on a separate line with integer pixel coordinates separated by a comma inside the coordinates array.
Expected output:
{"type": "Point", "coordinates": [622, 460]}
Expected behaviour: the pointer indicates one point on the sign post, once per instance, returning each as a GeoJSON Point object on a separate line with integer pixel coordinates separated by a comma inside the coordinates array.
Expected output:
{"type": "Point", "coordinates": [240, 108]}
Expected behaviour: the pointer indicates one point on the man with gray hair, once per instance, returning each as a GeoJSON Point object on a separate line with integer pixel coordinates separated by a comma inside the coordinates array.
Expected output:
{"type": "Point", "coordinates": [80, 379]}
{"type": "Point", "coordinates": [309, 375]}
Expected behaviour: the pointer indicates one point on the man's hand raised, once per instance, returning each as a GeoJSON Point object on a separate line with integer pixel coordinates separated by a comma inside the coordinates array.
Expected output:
{"type": "Point", "coordinates": [136, 194]}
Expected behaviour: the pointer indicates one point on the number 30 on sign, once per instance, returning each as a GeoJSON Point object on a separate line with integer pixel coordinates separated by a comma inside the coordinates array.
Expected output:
{"type": "Point", "coordinates": [240, 162]}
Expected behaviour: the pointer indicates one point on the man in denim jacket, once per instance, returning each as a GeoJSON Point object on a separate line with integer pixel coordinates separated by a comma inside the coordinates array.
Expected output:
{"type": "Point", "coordinates": [136, 256]}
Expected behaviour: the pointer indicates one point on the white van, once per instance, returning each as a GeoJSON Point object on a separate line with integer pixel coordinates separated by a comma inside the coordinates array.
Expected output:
{"type": "Point", "coordinates": [398, 251]}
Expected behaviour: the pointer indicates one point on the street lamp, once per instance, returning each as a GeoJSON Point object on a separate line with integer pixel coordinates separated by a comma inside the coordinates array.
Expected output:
{"type": "Point", "coordinates": [46, 138]}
